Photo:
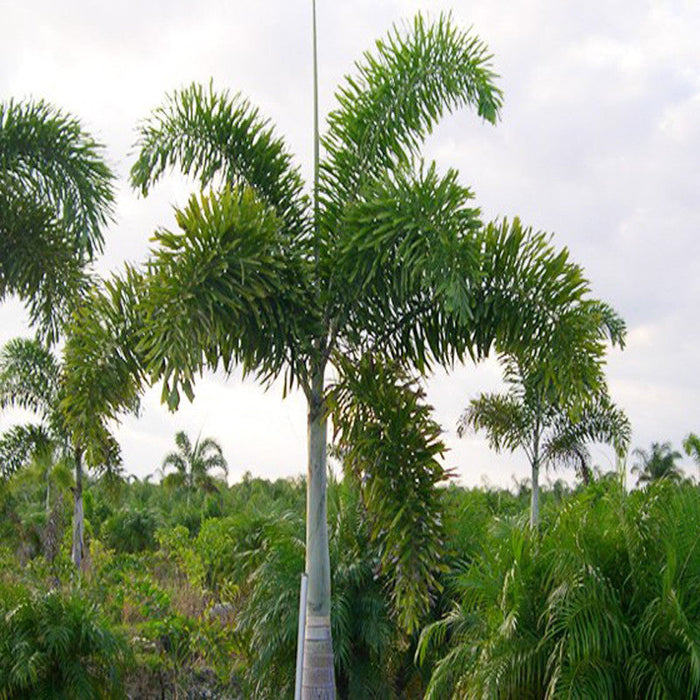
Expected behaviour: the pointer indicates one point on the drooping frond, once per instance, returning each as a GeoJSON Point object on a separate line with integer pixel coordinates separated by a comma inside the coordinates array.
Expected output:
{"type": "Point", "coordinates": [391, 446]}
{"type": "Point", "coordinates": [103, 373]}
{"type": "Point", "coordinates": [46, 153]}
{"type": "Point", "coordinates": [597, 420]}
{"type": "Point", "coordinates": [503, 417]}
{"type": "Point", "coordinates": [224, 290]}
{"type": "Point", "coordinates": [29, 377]}
{"type": "Point", "coordinates": [19, 445]}
{"type": "Point", "coordinates": [212, 136]}
{"type": "Point", "coordinates": [402, 89]}
{"type": "Point", "coordinates": [56, 195]}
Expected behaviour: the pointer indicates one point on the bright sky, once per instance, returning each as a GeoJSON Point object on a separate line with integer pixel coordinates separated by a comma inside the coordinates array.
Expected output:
{"type": "Point", "coordinates": [599, 144]}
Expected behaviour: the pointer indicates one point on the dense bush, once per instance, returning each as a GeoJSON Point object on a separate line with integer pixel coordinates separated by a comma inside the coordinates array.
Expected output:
{"type": "Point", "coordinates": [603, 602]}
{"type": "Point", "coordinates": [56, 645]}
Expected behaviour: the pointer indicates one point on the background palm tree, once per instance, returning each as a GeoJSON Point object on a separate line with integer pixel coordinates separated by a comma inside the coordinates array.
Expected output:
{"type": "Point", "coordinates": [658, 463]}
{"type": "Point", "coordinates": [193, 464]}
{"type": "Point", "coordinates": [387, 255]}
{"type": "Point", "coordinates": [56, 194]}
{"type": "Point", "coordinates": [691, 445]}
{"type": "Point", "coordinates": [32, 378]}
{"type": "Point", "coordinates": [551, 426]}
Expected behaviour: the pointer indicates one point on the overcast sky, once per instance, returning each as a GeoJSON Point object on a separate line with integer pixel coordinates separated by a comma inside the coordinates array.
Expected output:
{"type": "Point", "coordinates": [599, 143]}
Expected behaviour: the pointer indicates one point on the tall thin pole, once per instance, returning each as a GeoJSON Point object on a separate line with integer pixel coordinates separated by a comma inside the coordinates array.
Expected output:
{"type": "Point", "coordinates": [317, 232]}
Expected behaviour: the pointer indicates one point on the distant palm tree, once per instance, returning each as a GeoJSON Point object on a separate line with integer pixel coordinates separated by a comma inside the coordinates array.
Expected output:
{"type": "Point", "coordinates": [658, 463]}
{"type": "Point", "coordinates": [551, 431]}
{"type": "Point", "coordinates": [30, 378]}
{"type": "Point", "coordinates": [691, 445]}
{"type": "Point", "coordinates": [192, 464]}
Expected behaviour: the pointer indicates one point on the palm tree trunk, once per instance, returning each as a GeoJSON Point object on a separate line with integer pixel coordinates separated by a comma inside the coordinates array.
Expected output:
{"type": "Point", "coordinates": [535, 498]}
{"type": "Point", "coordinates": [78, 515]}
{"type": "Point", "coordinates": [318, 680]}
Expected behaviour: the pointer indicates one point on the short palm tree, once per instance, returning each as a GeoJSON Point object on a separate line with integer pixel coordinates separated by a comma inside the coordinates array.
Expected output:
{"type": "Point", "coordinates": [32, 378]}
{"type": "Point", "coordinates": [545, 423]}
{"type": "Point", "coordinates": [193, 464]}
{"type": "Point", "coordinates": [386, 255]}
{"type": "Point", "coordinates": [56, 194]}
{"type": "Point", "coordinates": [658, 463]}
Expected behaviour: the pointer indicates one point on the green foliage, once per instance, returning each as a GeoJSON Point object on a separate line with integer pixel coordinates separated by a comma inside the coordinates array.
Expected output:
{"type": "Point", "coordinates": [691, 445]}
{"type": "Point", "coordinates": [53, 645]}
{"type": "Point", "coordinates": [103, 373]}
{"type": "Point", "coordinates": [56, 194]}
{"type": "Point", "coordinates": [390, 445]}
{"type": "Point", "coordinates": [131, 529]}
{"type": "Point", "coordinates": [658, 463]}
{"type": "Point", "coordinates": [601, 603]}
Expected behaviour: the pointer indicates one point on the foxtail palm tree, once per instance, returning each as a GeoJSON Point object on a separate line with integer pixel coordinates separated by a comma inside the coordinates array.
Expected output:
{"type": "Point", "coordinates": [56, 194]}
{"type": "Point", "coordinates": [550, 427]}
{"type": "Point", "coordinates": [192, 464]}
{"type": "Point", "coordinates": [32, 378]}
{"type": "Point", "coordinates": [386, 255]}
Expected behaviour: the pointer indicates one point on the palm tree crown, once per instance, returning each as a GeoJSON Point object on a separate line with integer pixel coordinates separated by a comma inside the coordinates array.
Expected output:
{"type": "Point", "coordinates": [193, 463]}
{"type": "Point", "coordinates": [658, 463]}
{"type": "Point", "coordinates": [56, 194]}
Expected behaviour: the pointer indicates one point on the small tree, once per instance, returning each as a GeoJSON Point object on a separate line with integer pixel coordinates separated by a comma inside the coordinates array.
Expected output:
{"type": "Point", "coordinates": [551, 427]}
{"type": "Point", "coordinates": [192, 464]}
{"type": "Point", "coordinates": [658, 463]}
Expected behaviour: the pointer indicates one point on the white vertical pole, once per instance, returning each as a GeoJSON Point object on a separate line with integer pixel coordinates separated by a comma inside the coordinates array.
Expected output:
{"type": "Point", "coordinates": [300, 636]}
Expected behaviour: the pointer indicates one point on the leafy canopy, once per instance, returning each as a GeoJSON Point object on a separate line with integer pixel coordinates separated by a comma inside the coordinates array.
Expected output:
{"type": "Point", "coordinates": [56, 195]}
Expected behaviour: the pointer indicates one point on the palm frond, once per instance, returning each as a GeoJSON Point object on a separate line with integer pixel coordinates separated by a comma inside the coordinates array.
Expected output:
{"type": "Point", "coordinates": [213, 135]}
{"type": "Point", "coordinates": [401, 91]}
{"type": "Point", "coordinates": [56, 195]}
{"type": "Point", "coordinates": [29, 377]}
{"type": "Point", "coordinates": [391, 446]}
{"type": "Point", "coordinates": [406, 251]}
{"type": "Point", "coordinates": [223, 291]}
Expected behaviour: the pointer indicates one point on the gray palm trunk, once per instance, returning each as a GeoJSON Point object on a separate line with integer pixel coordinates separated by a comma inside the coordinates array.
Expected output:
{"type": "Point", "coordinates": [535, 498]}
{"type": "Point", "coordinates": [318, 680]}
{"type": "Point", "coordinates": [77, 550]}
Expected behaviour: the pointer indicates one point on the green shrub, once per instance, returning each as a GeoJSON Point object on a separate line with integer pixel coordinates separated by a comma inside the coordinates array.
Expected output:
{"type": "Point", "coordinates": [131, 530]}
{"type": "Point", "coordinates": [57, 646]}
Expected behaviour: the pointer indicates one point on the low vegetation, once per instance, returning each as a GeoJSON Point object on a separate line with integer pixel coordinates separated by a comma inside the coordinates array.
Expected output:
{"type": "Point", "coordinates": [194, 593]}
